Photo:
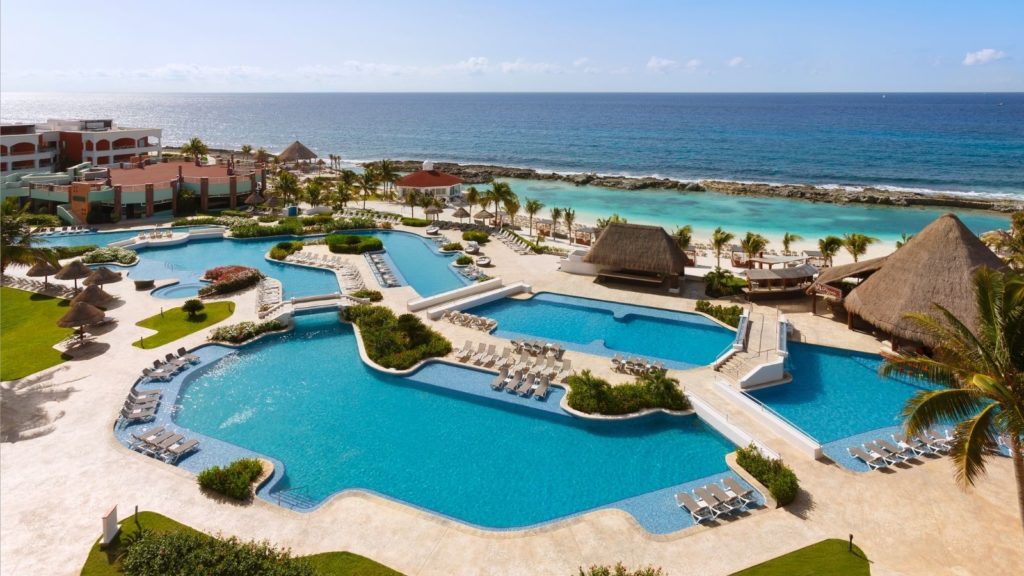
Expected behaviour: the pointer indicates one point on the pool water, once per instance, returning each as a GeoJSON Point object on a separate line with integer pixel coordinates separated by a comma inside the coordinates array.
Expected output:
{"type": "Point", "coordinates": [419, 262]}
{"type": "Point", "coordinates": [100, 238]}
{"type": "Point", "coordinates": [179, 290]}
{"type": "Point", "coordinates": [306, 399]}
{"type": "Point", "coordinates": [680, 339]}
{"type": "Point", "coordinates": [838, 393]}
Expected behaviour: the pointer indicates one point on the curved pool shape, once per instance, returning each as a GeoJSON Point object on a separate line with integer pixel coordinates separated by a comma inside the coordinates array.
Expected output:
{"type": "Point", "coordinates": [102, 238]}
{"type": "Point", "coordinates": [419, 262]}
{"type": "Point", "coordinates": [306, 399]}
{"type": "Point", "coordinates": [680, 339]}
{"type": "Point", "coordinates": [179, 290]}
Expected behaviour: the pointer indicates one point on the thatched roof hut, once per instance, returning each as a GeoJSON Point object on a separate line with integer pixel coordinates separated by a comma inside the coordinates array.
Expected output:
{"type": "Point", "coordinates": [861, 269]}
{"type": "Point", "coordinates": [254, 199]}
{"type": "Point", "coordinates": [93, 295]}
{"type": "Point", "coordinates": [101, 276]}
{"type": "Point", "coordinates": [637, 248]}
{"type": "Point", "coordinates": [296, 151]}
{"type": "Point", "coordinates": [935, 266]}
{"type": "Point", "coordinates": [460, 214]}
{"type": "Point", "coordinates": [73, 271]}
{"type": "Point", "coordinates": [42, 268]}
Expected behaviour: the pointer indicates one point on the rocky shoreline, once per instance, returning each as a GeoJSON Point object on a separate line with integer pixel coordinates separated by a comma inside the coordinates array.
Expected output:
{"type": "Point", "coordinates": [483, 173]}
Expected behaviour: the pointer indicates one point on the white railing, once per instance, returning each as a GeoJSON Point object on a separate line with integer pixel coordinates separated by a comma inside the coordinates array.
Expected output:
{"type": "Point", "coordinates": [783, 334]}
{"type": "Point", "coordinates": [418, 304]}
{"type": "Point", "coordinates": [773, 420]}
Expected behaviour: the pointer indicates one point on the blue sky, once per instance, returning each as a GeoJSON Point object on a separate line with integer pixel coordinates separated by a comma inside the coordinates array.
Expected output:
{"type": "Point", "coordinates": [442, 45]}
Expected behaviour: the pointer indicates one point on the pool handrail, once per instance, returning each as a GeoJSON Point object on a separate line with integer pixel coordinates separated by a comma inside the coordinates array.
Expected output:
{"type": "Point", "coordinates": [796, 435]}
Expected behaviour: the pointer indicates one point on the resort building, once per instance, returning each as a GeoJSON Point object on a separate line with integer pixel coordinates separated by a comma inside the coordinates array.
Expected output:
{"type": "Point", "coordinates": [29, 148]}
{"type": "Point", "coordinates": [430, 182]}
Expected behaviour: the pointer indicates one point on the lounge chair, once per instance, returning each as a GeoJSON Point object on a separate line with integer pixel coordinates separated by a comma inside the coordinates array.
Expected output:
{"type": "Point", "coordinates": [173, 453]}
{"type": "Point", "coordinates": [465, 352]}
{"type": "Point", "coordinates": [142, 395]}
{"type": "Point", "coordinates": [140, 415]}
{"type": "Point", "coordinates": [512, 379]}
{"type": "Point", "coordinates": [902, 453]}
{"type": "Point", "coordinates": [525, 361]}
{"type": "Point", "coordinates": [146, 435]}
{"type": "Point", "coordinates": [698, 512]}
{"type": "Point", "coordinates": [717, 506]}
{"type": "Point", "coordinates": [184, 355]}
{"type": "Point", "coordinates": [173, 360]}
{"type": "Point", "coordinates": [566, 370]}
{"type": "Point", "coordinates": [874, 461]}
{"type": "Point", "coordinates": [736, 490]}
{"type": "Point", "coordinates": [141, 405]}
{"type": "Point", "coordinates": [524, 387]}
{"type": "Point", "coordinates": [890, 456]}
{"type": "Point", "coordinates": [157, 374]}
{"type": "Point", "coordinates": [489, 356]}
{"type": "Point", "coordinates": [912, 444]}
{"type": "Point", "coordinates": [156, 448]}
{"type": "Point", "coordinates": [542, 389]}
{"type": "Point", "coordinates": [731, 501]}
{"type": "Point", "coordinates": [933, 446]}
{"type": "Point", "coordinates": [481, 350]}
{"type": "Point", "coordinates": [943, 439]}
{"type": "Point", "coordinates": [506, 357]}
{"type": "Point", "coordinates": [499, 380]}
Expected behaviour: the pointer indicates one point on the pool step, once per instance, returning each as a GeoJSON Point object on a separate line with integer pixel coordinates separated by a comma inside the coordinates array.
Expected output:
{"type": "Point", "coordinates": [294, 500]}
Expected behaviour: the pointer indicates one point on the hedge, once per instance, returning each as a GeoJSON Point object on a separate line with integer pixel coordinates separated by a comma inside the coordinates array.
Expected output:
{"type": "Point", "coordinates": [780, 479]}
{"type": "Point", "coordinates": [110, 254]}
{"type": "Point", "coordinates": [353, 244]}
{"type": "Point", "coordinates": [182, 552]}
{"type": "Point", "coordinates": [416, 222]}
{"type": "Point", "coordinates": [228, 279]}
{"type": "Point", "coordinates": [234, 480]}
{"type": "Point", "coordinates": [593, 395]}
{"type": "Point", "coordinates": [238, 333]}
{"type": "Point", "coordinates": [62, 252]}
{"type": "Point", "coordinates": [728, 314]}
{"type": "Point", "coordinates": [396, 342]}
{"type": "Point", "coordinates": [452, 247]}
{"type": "Point", "coordinates": [255, 230]}
{"type": "Point", "coordinates": [282, 250]}
{"type": "Point", "coordinates": [48, 220]}
{"type": "Point", "coordinates": [478, 236]}
{"type": "Point", "coordinates": [371, 295]}
{"type": "Point", "coordinates": [464, 260]}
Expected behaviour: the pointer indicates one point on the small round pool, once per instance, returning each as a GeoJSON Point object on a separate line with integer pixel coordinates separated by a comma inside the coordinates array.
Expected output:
{"type": "Point", "coordinates": [183, 290]}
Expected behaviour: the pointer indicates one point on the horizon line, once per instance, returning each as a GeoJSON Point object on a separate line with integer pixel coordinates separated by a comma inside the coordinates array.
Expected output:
{"type": "Point", "coordinates": [630, 92]}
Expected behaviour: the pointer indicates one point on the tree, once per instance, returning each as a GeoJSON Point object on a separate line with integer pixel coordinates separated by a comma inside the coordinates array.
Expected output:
{"type": "Point", "coordinates": [613, 219]}
{"type": "Point", "coordinates": [287, 185]}
{"type": "Point", "coordinates": [246, 150]}
{"type": "Point", "coordinates": [18, 240]}
{"type": "Point", "coordinates": [829, 246]}
{"type": "Point", "coordinates": [569, 216]}
{"type": "Point", "coordinates": [787, 239]}
{"type": "Point", "coordinates": [413, 200]}
{"type": "Point", "coordinates": [532, 207]}
{"type": "Point", "coordinates": [499, 193]}
{"type": "Point", "coordinates": [981, 372]}
{"type": "Point", "coordinates": [192, 307]}
{"type": "Point", "coordinates": [753, 244]}
{"type": "Point", "coordinates": [556, 215]}
{"type": "Point", "coordinates": [512, 207]}
{"type": "Point", "coordinates": [904, 238]}
{"type": "Point", "coordinates": [425, 201]}
{"type": "Point", "coordinates": [387, 174]}
{"type": "Point", "coordinates": [472, 197]}
{"type": "Point", "coordinates": [367, 185]}
{"type": "Point", "coordinates": [1009, 244]}
{"type": "Point", "coordinates": [261, 155]}
{"type": "Point", "coordinates": [314, 191]}
{"type": "Point", "coordinates": [857, 244]}
{"type": "Point", "coordinates": [194, 148]}
{"type": "Point", "coordinates": [719, 239]}
{"type": "Point", "coordinates": [683, 236]}
{"type": "Point", "coordinates": [342, 194]}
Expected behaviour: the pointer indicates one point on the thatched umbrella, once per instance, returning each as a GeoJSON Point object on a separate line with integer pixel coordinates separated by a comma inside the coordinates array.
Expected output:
{"type": "Point", "coordinates": [81, 315]}
{"type": "Point", "coordinates": [93, 295]}
{"type": "Point", "coordinates": [483, 215]}
{"type": "Point", "coordinates": [73, 271]}
{"type": "Point", "coordinates": [254, 199]}
{"type": "Point", "coordinates": [101, 276]}
{"type": "Point", "coordinates": [44, 269]}
{"type": "Point", "coordinates": [934, 267]}
{"type": "Point", "coordinates": [432, 211]}
{"type": "Point", "coordinates": [296, 151]}
{"type": "Point", "coordinates": [460, 214]}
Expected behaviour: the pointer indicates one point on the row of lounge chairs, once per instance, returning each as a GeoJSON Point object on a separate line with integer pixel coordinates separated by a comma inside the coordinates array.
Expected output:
{"type": "Point", "coordinates": [164, 370]}
{"type": "Point", "coordinates": [538, 348]}
{"type": "Point", "coordinates": [881, 453]}
{"type": "Point", "coordinates": [522, 382]}
{"type": "Point", "coordinates": [514, 243]}
{"type": "Point", "coordinates": [351, 279]}
{"type": "Point", "coordinates": [636, 365]}
{"type": "Point", "coordinates": [470, 320]}
{"type": "Point", "coordinates": [472, 272]}
{"type": "Point", "coordinates": [155, 235]}
{"type": "Point", "coordinates": [485, 355]}
{"type": "Point", "coordinates": [140, 406]}
{"type": "Point", "coordinates": [707, 503]}
{"type": "Point", "coordinates": [63, 230]}
{"type": "Point", "coordinates": [384, 274]}
{"type": "Point", "coordinates": [269, 293]}
{"type": "Point", "coordinates": [166, 445]}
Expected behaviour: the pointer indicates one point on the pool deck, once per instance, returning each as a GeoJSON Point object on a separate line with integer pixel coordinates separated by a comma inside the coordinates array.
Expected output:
{"type": "Point", "coordinates": [65, 469]}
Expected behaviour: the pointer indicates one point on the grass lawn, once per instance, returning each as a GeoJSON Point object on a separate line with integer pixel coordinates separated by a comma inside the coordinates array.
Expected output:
{"type": "Point", "coordinates": [28, 331]}
{"type": "Point", "coordinates": [173, 324]}
{"type": "Point", "coordinates": [103, 562]}
{"type": "Point", "coordinates": [826, 557]}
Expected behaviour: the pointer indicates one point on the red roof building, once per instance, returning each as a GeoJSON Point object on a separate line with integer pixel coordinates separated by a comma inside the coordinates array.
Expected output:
{"type": "Point", "coordinates": [431, 182]}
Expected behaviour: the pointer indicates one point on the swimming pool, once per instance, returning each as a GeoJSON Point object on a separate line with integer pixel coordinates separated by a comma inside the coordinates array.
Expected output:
{"type": "Point", "coordinates": [419, 262]}
{"type": "Point", "coordinates": [306, 399]}
{"type": "Point", "coordinates": [838, 393]}
{"type": "Point", "coordinates": [101, 238]}
{"type": "Point", "coordinates": [682, 340]}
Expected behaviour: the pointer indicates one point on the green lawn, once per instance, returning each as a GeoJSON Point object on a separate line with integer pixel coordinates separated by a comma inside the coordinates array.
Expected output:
{"type": "Point", "coordinates": [826, 557]}
{"type": "Point", "coordinates": [103, 562]}
{"type": "Point", "coordinates": [173, 323]}
{"type": "Point", "coordinates": [28, 331]}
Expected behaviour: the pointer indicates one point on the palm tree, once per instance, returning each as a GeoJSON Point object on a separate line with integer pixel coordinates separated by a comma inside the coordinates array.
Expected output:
{"type": "Point", "coordinates": [512, 207]}
{"type": "Point", "coordinates": [904, 238]}
{"type": "Point", "coordinates": [314, 191]}
{"type": "Point", "coordinates": [719, 239]}
{"type": "Point", "coordinates": [194, 148]}
{"type": "Point", "coordinates": [857, 244]}
{"type": "Point", "coordinates": [569, 216]}
{"type": "Point", "coordinates": [613, 219]}
{"type": "Point", "coordinates": [683, 236]}
{"type": "Point", "coordinates": [426, 201]}
{"type": "Point", "coordinates": [982, 374]}
{"type": "Point", "coordinates": [387, 174]}
{"type": "Point", "coordinates": [787, 239]}
{"type": "Point", "coordinates": [17, 239]}
{"type": "Point", "coordinates": [472, 197]}
{"type": "Point", "coordinates": [261, 155]}
{"type": "Point", "coordinates": [532, 207]}
{"type": "Point", "coordinates": [342, 193]}
{"type": "Point", "coordinates": [753, 244]}
{"type": "Point", "coordinates": [246, 150]}
{"type": "Point", "coordinates": [412, 198]}
{"type": "Point", "coordinates": [499, 192]}
{"type": "Point", "coordinates": [287, 185]}
{"type": "Point", "coordinates": [367, 185]}
{"type": "Point", "coordinates": [829, 246]}
{"type": "Point", "coordinates": [556, 215]}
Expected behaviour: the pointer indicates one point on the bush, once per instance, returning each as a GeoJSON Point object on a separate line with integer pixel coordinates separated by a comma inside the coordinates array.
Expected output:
{"type": "Point", "coordinates": [620, 570]}
{"type": "Point", "coordinates": [371, 295]}
{"type": "Point", "coordinates": [234, 480]}
{"type": "Point", "coordinates": [452, 247]}
{"type": "Point", "coordinates": [728, 314]}
{"type": "Point", "coordinates": [238, 333]}
{"type": "Point", "coordinates": [720, 283]}
{"type": "Point", "coordinates": [187, 552]}
{"type": "Point", "coordinates": [193, 306]}
{"type": "Point", "coordinates": [415, 222]}
{"type": "Point", "coordinates": [282, 250]}
{"type": "Point", "coordinates": [267, 218]}
{"type": "Point", "coordinates": [255, 230]}
{"type": "Point", "coordinates": [236, 213]}
{"type": "Point", "coordinates": [62, 252]}
{"type": "Point", "coordinates": [478, 236]}
{"type": "Point", "coordinates": [228, 279]}
{"type": "Point", "coordinates": [353, 223]}
{"type": "Point", "coordinates": [464, 260]}
{"type": "Point", "coordinates": [48, 220]}
{"type": "Point", "coordinates": [228, 221]}
{"type": "Point", "coordinates": [111, 254]}
{"type": "Point", "coordinates": [780, 479]}
{"type": "Point", "coordinates": [594, 395]}
{"type": "Point", "coordinates": [353, 244]}
{"type": "Point", "coordinates": [396, 342]}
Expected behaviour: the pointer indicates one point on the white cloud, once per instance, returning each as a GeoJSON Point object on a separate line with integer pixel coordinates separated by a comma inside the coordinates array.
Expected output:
{"type": "Point", "coordinates": [520, 65]}
{"type": "Point", "coordinates": [580, 62]}
{"type": "Point", "coordinates": [474, 66]}
{"type": "Point", "coordinates": [692, 64]}
{"type": "Point", "coordinates": [657, 64]}
{"type": "Point", "coordinates": [735, 61]}
{"type": "Point", "coordinates": [983, 56]}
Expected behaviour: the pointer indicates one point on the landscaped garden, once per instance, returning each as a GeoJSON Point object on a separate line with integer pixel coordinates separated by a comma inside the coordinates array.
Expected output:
{"type": "Point", "coordinates": [177, 323]}
{"type": "Point", "coordinates": [593, 395]}
{"type": "Point", "coordinates": [396, 342]}
{"type": "Point", "coordinates": [833, 557]}
{"type": "Point", "coordinates": [28, 331]}
{"type": "Point", "coordinates": [353, 244]}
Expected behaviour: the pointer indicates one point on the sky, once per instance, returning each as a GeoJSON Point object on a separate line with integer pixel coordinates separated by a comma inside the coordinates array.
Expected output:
{"type": "Point", "coordinates": [524, 45]}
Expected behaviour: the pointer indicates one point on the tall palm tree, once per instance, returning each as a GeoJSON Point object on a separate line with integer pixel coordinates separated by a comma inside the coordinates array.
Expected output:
{"type": "Point", "coordinates": [556, 215]}
{"type": "Point", "coordinates": [342, 193]}
{"type": "Point", "coordinates": [287, 185]}
{"type": "Point", "coordinates": [982, 374]}
{"type": "Point", "coordinates": [753, 244]}
{"type": "Point", "coordinates": [683, 236]}
{"type": "Point", "coordinates": [499, 192]}
{"type": "Point", "coordinates": [246, 150]}
{"type": "Point", "coordinates": [787, 239]}
{"type": "Point", "coordinates": [387, 174]}
{"type": "Point", "coordinates": [512, 207]}
{"type": "Point", "coordinates": [314, 191]}
{"type": "Point", "coordinates": [261, 155]}
{"type": "Point", "coordinates": [829, 246]}
{"type": "Point", "coordinates": [18, 242]}
{"type": "Point", "coordinates": [569, 216]}
{"type": "Point", "coordinates": [367, 185]}
{"type": "Point", "coordinates": [413, 200]}
{"type": "Point", "coordinates": [719, 239]}
{"type": "Point", "coordinates": [532, 207]}
{"type": "Point", "coordinates": [194, 148]}
{"type": "Point", "coordinates": [472, 197]}
{"type": "Point", "coordinates": [857, 244]}
{"type": "Point", "coordinates": [426, 201]}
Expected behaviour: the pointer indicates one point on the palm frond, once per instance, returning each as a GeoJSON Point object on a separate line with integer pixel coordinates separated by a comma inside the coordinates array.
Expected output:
{"type": "Point", "coordinates": [930, 407]}
{"type": "Point", "coordinates": [971, 439]}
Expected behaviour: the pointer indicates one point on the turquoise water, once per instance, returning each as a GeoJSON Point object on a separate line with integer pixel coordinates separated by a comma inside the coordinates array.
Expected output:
{"type": "Point", "coordinates": [600, 327]}
{"type": "Point", "coordinates": [837, 393]}
{"type": "Point", "coordinates": [306, 399]}
{"type": "Point", "coordinates": [100, 238]}
{"type": "Point", "coordinates": [738, 214]}
{"type": "Point", "coordinates": [420, 263]}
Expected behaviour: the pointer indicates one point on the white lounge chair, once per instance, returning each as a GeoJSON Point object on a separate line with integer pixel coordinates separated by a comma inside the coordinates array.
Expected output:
{"type": "Point", "coordinates": [699, 513]}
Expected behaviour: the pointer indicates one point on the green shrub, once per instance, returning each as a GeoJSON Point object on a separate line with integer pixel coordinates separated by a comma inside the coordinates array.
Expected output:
{"type": "Point", "coordinates": [227, 279]}
{"type": "Point", "coordinates": [464, 260]}
{"type": "Point", "coordinates": [353, 223]}
{"type": "Point", "coordinates": [620, 570]}
{"type": "Point", "coordinates": [396, 342]}
{"type": "Point", "coordinates": [110, 254]}
{"type": "Point", "coordinates": [238, 333]}
{"type": "Point", "coordinates": [187, 552]}
{"type": "Point", "coordinates": [353, 244]}
{"type": "Point", "coordinates": [416, 222]}
{"type": "Point", "coordinates": [62, 252]}
{"type": "Point", "coordinates": [236, 213]}
{"type": "Point", "coordinates": [718, 283]}
{"type": "Point", "coordinates": [728, 314]}
{"type": "Point", "coordinates": [254, 230]}
{"type": "Point", "coordinates": [371, 295]}
{"type": "Point", "coordinates": [594, 395]}
{"type": "Point", "coordinates": [267, 218]}
{"type": "Point", "coordinates": [452, 247]}
{"type": "Point", "coordinates": [780, 479]}
{"type": "Point", "coordinates": [234, 480]}
{"type": "Point", "coordinates": [282, 250]}
{"type": "Point", "coordinates": [317, 219]}
{"type": "Point", "coordinates": [48, 220]}
{"type": "Point", "coordinates": [193, 306]}
{"type": "Point", "coordinates": [478, 236]}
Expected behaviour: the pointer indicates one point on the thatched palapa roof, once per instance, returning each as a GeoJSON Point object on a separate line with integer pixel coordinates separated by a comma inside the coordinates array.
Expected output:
{"type": "Point", "coordinates": [73, 271]}
{"type": "Point", "coordinates": [42, 268]}
{"type": "Point", "coordinates": [934, 267]}
{"type": "Point", "coordinates": [460, 213]}
{"type": "Point", "coordinates": [81, 314]}
{"type": "Point", "coordinates": [93, 295]}
{"type": "Point", "coordinates": [851, 270]}
{"type": "Point", "coordinates": [296, 151]}
{"type": "Point", "coordinates": [101, 276]}
{"type": "Point", "coordinates": [637, 247]}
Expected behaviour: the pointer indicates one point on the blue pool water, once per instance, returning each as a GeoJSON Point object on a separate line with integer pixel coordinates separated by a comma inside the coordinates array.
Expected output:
{"type": "Point", "coordinates": [337, 424]}
{"type": "Point", "coordinates": [420, 263]}
{"type": "Point", "coordinates": [679, 339]}
{"type": "Point", "coordinates": [837, 393]}
{"type": "Point", "coordinates": [100, 238]}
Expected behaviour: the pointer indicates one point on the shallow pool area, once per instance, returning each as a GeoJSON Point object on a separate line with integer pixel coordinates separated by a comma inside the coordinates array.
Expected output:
{"type": "Point", "coordinates": [419, 262]}
{"type": "Point", "coordinates": [431, 440]}
{"type": "Point", "coordinates": [680, 339]}
{"type": "Point", "coordinates": [101, 238]}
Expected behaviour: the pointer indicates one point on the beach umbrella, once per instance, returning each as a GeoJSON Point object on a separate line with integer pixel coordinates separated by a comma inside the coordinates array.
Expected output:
{"type": "Point", "coordinates": [460, 214]}
{"type": "Point", "coordinates": [483, 215]}
{"type": "Point", "coordinates": [81, 315]}
{"type": "Point", "coordinates": [254, 199]}
{"type": "Point", "coordinates": [44, 269]}
{"type": "Point", "coordinates": [101, 276]}
{"type": "Point", "coordinates": [433, 211]}
{"type": "Point", "coordinates": [73, 270]}
{"type": "Point", "coordinates": [93, 295]}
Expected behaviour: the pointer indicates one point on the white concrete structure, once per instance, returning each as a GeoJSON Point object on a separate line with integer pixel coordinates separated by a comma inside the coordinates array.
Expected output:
{"type": "Point", "coordinates": [27, 148]}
